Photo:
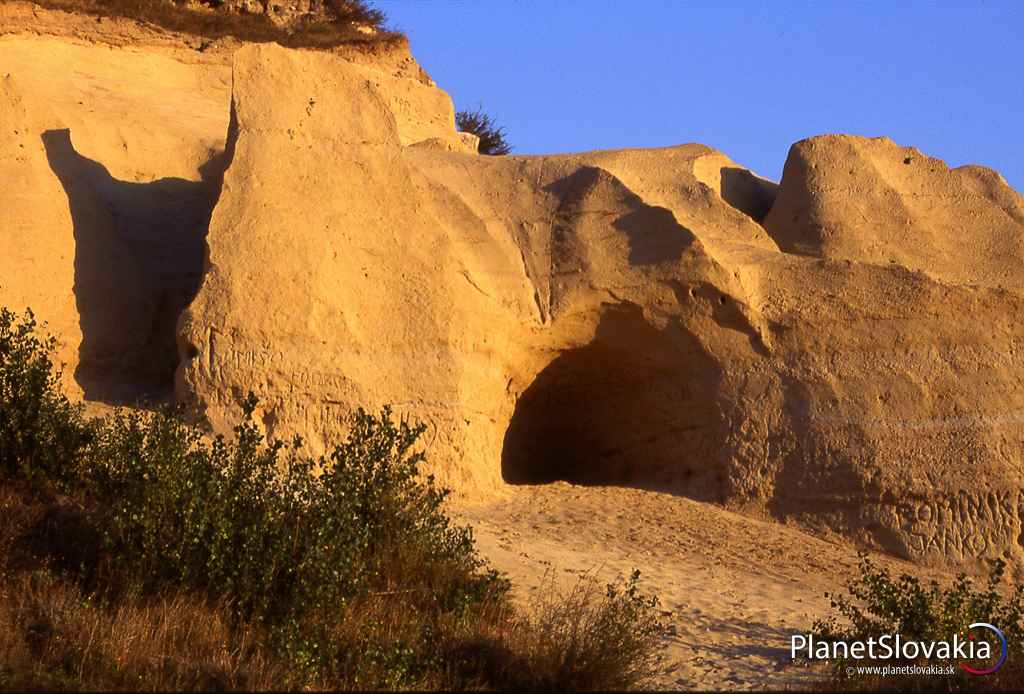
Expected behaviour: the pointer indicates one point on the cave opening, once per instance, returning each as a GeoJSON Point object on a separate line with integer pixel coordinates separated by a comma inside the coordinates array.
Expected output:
{"type": "Point", "coordinates": [637, 406]}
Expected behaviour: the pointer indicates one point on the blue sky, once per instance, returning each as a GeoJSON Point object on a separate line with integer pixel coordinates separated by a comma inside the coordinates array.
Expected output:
{"type": "Point", "coordinates": [749, 78]}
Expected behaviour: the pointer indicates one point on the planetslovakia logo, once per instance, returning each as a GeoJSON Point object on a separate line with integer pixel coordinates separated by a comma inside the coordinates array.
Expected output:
{"type": "Point", "coordinates": [977, 646]}
{"type": "Point", "coordinates": [1002, 657]}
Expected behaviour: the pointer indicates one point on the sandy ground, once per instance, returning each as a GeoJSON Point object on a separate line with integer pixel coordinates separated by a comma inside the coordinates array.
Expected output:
{"type": "Point", "coordinates": [733, 589]}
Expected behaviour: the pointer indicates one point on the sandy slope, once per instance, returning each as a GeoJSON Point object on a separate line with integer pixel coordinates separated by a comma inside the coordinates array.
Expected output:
{"type": "Point", "coordinates": [736, 587]}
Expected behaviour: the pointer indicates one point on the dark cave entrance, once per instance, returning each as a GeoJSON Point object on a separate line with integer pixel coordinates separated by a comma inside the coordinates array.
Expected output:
{"type": "Point", "coordinates": [635, 407]}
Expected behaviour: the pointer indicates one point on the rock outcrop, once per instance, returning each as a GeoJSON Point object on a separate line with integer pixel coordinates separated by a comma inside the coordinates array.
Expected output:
{"type": "Point", "coordinates": [112, 171]}
{"type": "Point", "coordinates": [850, 198]}
{"type": "Point", "coordinates": [110, 179]}
{"type": "Point", "coordinates": [842, 350]}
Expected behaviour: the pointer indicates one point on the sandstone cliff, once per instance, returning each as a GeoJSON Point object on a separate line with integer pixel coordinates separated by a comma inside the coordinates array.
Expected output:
{"type": "Point", "coordinates": [841, 349]}
{"type": "Point", "coordinates": [114, 167]}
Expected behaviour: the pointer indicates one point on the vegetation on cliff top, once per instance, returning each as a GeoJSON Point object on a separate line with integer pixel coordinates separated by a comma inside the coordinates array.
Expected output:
{"type": "Point", "coordinates": [138, 553]}
{"type": "Point", "coordinates": [492, 136]}
{"type": "Point", "coordinates": [336, 22]}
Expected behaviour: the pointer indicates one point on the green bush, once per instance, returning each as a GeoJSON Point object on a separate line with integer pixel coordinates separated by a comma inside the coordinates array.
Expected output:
{"type": "Point", "coordinates": [283, 539]}
{"type": "Point", "coordinates": [344, 568]}
{"type": "Point", "coordinates": [492, 137]}
{"type": "Point", "coordinates": [41, 432]}
{"type": "Point", "coordinates": [355, 12]}
{"type": "Point", "coordinates": [876, 603]}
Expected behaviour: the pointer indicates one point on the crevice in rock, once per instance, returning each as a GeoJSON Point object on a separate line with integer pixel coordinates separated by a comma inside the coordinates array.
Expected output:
{"type": "Point", "coordinates": [747, 193]}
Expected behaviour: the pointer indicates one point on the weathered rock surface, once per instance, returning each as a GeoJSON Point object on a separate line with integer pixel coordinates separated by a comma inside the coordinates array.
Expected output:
{"type": "Point", "coordinates": [30, 257]}
{"type": "Point", "coordinates": [851, 198]}
{"type": "Point", "coordinates": [106, 199]}
{"type": "Point", "coordinates": [111, 172]}
{"type": "Point", "coordinates": [842, 350]}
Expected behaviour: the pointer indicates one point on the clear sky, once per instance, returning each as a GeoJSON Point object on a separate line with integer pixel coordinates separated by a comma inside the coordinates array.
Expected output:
{"type": "Point", "coordinates": [748, 78]}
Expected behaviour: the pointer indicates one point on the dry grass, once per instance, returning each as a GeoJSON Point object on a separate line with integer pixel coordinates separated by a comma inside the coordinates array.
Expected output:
{"type": "Point", "coordinates": [59, 633]}
{"type": "Point", "coordinates": [587, 638]}
{"type": "Point", "coordinates": [246, 27]}
{"type": "Point", "coordinates": [133, 556]}
{"type": "Point", "coordinates": [54, 636]}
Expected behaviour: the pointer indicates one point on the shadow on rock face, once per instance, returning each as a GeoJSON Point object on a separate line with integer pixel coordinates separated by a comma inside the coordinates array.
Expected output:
{"type": "Point", "coordinates": [653, 233]}
{"type": "Point", "coordinates": [138, 263]}
{"type": "Point", "coordinates": [635, 407]}
{"type": "Point", "coordinates": [747, 193]}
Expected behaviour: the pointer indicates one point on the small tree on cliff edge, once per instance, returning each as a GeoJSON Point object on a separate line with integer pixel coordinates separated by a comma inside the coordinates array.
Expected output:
{"type": "Point", "coordinates": [492, 137]}
{"type": "Point", "coordinates": [356, 12]}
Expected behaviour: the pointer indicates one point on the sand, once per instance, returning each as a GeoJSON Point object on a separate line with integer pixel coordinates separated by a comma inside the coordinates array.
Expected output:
{"type": "Point", "coordinates": [733, 589]}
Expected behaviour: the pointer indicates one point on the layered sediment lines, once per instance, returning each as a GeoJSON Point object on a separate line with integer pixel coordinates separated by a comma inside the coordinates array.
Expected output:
{"type": "Point", "coordinates": [841, 349]}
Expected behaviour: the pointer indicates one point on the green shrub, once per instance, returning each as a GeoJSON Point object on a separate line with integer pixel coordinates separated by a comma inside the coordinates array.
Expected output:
{"type": "Point", "coordinates": [355, 12]}
{"type": "Point", "coordinates": [340, 571]}
{"type": "Point", "coordinates": [284, 539]}
{"type": "Point", "coordinates": [492, 137]}
{"type": "Point", "coordinates": [41, 432]}
{"type": "Point", "coordinates": [876, 603]}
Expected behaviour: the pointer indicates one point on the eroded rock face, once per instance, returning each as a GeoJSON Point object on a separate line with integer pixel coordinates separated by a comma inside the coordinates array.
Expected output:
{"type": "Point", "coordinates": [870, 200]}
{"type": "Point", "coordinates": [104, 209]}
{"type": "Point", "coordinates": [605, 318]}
{"type": "Point", "coordinates": [111, 173]}
{"type": "Point", "coordinates": [608, 318]}
{"type": "Point", "coordinates": [842, 350]}
{"type": "Point", "coordinates": [33, 254]}
{"type": "Point", "coordinates": [446, 285]}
